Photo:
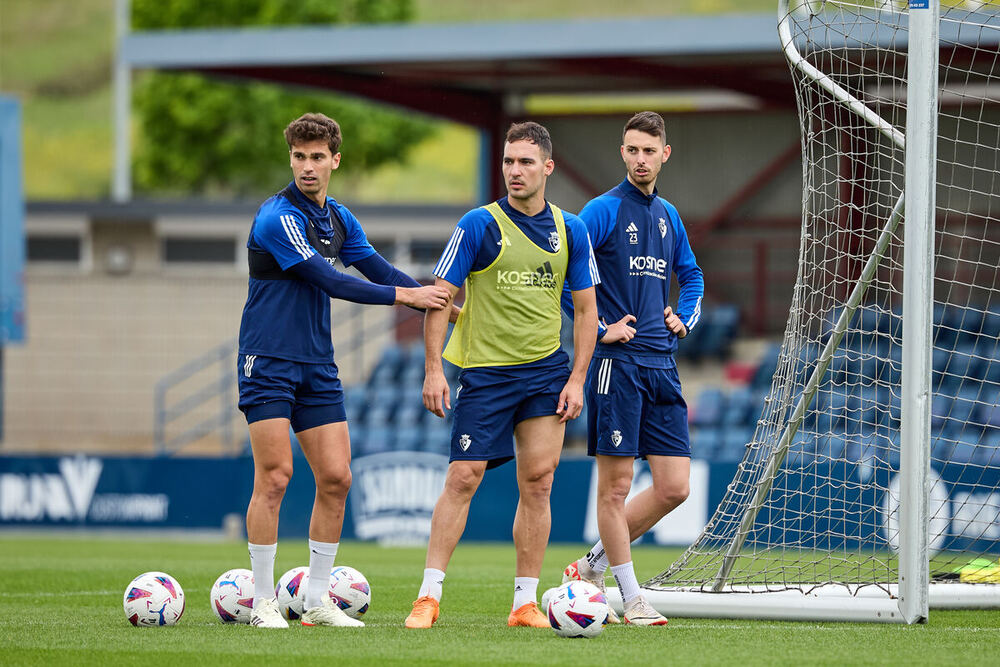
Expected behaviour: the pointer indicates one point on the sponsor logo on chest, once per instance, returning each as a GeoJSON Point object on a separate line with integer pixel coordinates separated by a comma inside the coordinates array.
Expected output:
{"type": "Point", "coordinates": [543, 277]}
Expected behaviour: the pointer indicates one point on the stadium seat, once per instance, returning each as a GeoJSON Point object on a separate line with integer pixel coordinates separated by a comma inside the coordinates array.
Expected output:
{"type": "Point", "coordinates": [989, 352]}
{"type": "Point", "coordinates": [436, 437]}
{"type": "Point", "coordinates": [383, 395]}
{"type": "Point", "coordinates": [358, 433]}
{"type": "Point", "coordinates": [410, 415]}
{"type": "Point", "coordinates": [387, 369]}
{"type": "Point", "coordinates": [738, 407]}
{"type": "Point", "coordinates": [378, 439]}
{"type": "Point", "coordinates": [409, 439]}
{"type": "Point", "coordinates": [988, 410]}
{"type": "Point", "coordinates": [379, 414]}
{"type": "Point", "coordinates": [940, 410]}
{"type": "Point", "coordinates": [354, 404]}
{"type": "Point", "coordinates": [830, 446]}
{"type": "Point", "coordinates": [768, 366]}
{"type": "Point", "coordinates": [705, 442]}
{"type": "Point", "coordinates": [724, 324]}
{"type": "Point", "coordinates": [988, 454]}
{"type": "Point", "coordinates": [734, 440]}
{"type": "Point", "coordinates": [412, 375]}
{"type": "Point", "coordinates": [709, 407]}
{"type": "Point", "coordinates": [966, 446]}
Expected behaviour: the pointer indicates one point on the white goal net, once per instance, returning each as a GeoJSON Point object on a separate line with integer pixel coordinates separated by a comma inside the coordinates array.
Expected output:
{"type": "Point", "coordinates": [814, 505]}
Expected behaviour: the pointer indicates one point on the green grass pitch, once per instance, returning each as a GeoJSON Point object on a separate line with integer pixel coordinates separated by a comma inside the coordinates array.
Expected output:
{"type": "Point", "coordinates": [61, 603]}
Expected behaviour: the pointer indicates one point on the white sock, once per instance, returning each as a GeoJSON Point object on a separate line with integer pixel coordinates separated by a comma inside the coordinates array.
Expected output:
{"type": "Point", "coordinates": [525, 591]}
{"type": "Point", "coordinates": [597, 559]}
{"type": "Point", "coordinates": [433, 584]}
{"type": "Point", "coordinates": [262, 565]}
{"type": "Point", "coordinates": [321, 557]}
{"type": "Point", "coordinates": [628, 585]}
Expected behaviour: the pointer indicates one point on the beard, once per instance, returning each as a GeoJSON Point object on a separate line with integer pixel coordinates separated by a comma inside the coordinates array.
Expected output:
{"type": "Point", "coordinates": [648, 177]}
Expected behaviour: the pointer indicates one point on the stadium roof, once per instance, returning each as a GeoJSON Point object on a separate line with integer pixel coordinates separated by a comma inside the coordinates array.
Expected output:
{"type": "Point", "coordinates": [473, 72]}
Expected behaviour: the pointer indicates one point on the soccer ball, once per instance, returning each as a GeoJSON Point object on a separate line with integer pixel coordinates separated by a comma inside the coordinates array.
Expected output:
{"type": "Point", "coordinates": [153, 598]}
{"type": "Point", "coordinates": [232, 596]}
{"type": "Point", "coordinates": [578, 609]}
{"type": "Point", "coordinates": [291, 592]}
{"type": "Point", "coordinates": [350, 590]}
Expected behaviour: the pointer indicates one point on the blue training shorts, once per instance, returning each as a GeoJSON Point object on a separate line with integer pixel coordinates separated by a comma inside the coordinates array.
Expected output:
{"type": "Point", "coordinates": [635, 410]}
{"type": "Point", "coordinates": [490, 400]}
{"type": "Point", "coordinates": [308, 395]}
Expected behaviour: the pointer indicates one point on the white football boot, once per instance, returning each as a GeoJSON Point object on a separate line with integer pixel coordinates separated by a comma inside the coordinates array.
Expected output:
{"type": "Point", "coordinates": [640, 612]}
{"type": "Point", "coordinates": [266, 615]}
{"type": "Point", "coordinates": [330, 614]}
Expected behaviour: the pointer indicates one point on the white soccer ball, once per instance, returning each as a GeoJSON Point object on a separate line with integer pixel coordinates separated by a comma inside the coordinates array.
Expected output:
{"type": "Point", "coordinates": [153, 598]}
{"type": "Point", "coordinates": [291, 592]}
{"type": "Point", "coordinates": [578, 609]}
{"type": "Point", "coordinates": [350, 590]}
{"type": "Point", "coordinates": [232, 596]}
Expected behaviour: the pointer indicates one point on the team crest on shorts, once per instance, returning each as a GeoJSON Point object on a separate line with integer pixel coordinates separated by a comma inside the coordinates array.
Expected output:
{"type": "Point", "coordinates": [663, 227]}
{"type": "Point", "coordinates": [616, 438]}
{"type": "Point", "coordinates": [554, 241]}
{"type": "Point", "coordinates": [464, 441]}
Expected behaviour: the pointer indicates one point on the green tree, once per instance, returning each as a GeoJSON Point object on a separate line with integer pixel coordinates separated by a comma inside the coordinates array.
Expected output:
{"type": "Point", "coordinates": [213, 136]}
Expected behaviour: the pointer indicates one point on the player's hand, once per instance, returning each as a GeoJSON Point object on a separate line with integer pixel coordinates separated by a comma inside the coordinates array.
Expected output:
{"type": "Point", "coordinates": [620, 331]}
{"type": "Point", "coordinates": [429, 296]}
{"type": "Point", "coordinates": [455, 312]}
{"type": "Point", "coordinates": [570, 402]}
{"type": "Point", "coordinates": [437, 394]}
{"type": "Point", "coordinates": [674, 323]}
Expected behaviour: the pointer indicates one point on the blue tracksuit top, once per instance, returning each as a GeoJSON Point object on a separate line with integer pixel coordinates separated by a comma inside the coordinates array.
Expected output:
{"type": "Point", "coordinates": [639, 241]}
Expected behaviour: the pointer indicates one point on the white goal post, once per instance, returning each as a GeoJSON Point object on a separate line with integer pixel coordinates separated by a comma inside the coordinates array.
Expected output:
{"type": "Point", "coordinates": [871, 488]}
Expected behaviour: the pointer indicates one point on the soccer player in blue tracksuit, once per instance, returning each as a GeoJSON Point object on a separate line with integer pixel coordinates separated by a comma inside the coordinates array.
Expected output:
{"type": "Point", "coordinates": [634, 402]}
{"type": "Point", "coordinates": [513, 256]}
{"type": "Point", "coordinates": [286, 371]}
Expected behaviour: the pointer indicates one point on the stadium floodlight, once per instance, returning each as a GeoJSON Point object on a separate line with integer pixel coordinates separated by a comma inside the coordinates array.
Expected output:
{"type": "Point", "coordinates": [870, 490]}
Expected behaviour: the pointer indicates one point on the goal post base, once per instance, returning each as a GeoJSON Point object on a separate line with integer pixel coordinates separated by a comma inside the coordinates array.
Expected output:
{"type": "Point", "coordinates": [869, 604]}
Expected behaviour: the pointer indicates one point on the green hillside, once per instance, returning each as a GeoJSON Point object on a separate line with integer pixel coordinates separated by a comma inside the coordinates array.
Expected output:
{"type": "Point", "coordinates": [55, 56]}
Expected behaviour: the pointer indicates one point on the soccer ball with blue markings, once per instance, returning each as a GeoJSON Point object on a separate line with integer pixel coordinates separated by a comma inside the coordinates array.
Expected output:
{"type": "Point", "coordinates": [152, 599]}
{"type": "Point", "coordinates": [578, 609]}
{"type": "Point", "coordinates": [350, 590]}
{"type": "Point", "coordinates": [232, 596]}
{"type": "Point", "coordinates": [291, 592]}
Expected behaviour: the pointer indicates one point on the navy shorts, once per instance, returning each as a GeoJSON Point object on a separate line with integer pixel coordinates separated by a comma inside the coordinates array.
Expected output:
{"type": "Point", "coordinates": [308, 395]}
{"type": "Point", "coordinates": [635, 410]}
{"type": "Point", "coordinates": [489, 401]}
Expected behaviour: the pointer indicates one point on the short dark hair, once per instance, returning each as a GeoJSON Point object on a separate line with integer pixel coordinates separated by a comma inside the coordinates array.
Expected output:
{"type": "Point", "coordinates": [312, 127]}
{"type": "Point", "coordinates": [649, 122]}
{"type": "Point", "coordinates": [533, 132]}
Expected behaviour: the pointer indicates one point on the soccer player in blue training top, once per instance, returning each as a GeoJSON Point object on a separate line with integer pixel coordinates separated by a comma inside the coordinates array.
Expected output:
{"type": "Point", "coordinates": [634, 402]}
{"type": "Point", "coordinates": [287, 375]}
{"type": "Point", "coordinates": [513, 256]}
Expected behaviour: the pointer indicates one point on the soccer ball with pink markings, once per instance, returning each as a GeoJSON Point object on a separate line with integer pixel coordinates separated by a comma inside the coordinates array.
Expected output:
{"type": "Point", "coordinates": [153, 598]}
{"type": "Point", "coordinates": [350, 590]}
{"type": "Point", "coordinates": [291, 592]}
{"type": "Point", "coordinates": [578, 609]}
{"type": "Point", "coordinates": [232, 596]}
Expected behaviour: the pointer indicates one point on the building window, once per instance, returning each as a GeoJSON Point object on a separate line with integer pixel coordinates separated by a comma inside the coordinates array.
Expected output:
{"type": "Point", "coordinates": [63, 249]}
{"type": "Point", "coordinates": [200, 250]}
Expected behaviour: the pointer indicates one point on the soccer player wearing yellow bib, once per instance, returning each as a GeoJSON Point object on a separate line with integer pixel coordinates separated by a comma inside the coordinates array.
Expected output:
{"type": "Point", "coordinates": [513, 255]}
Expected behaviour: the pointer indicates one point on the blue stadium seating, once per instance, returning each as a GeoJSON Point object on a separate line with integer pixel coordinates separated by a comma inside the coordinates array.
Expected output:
{"type": "Point", "coordinates": [709, 407]}
{"type": "Point", "coordinates": [705, 442]}
{"type": "Point", "coordinates": [740, 408]}
{"type": "Point", "coordinates": [767, 367]}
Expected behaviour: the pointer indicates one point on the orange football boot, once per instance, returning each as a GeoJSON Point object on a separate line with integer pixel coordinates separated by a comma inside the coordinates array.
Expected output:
{"type": "Point", "coordinates": [425, 612]}
{"type": "Point", "coordinates": [528, 615]}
